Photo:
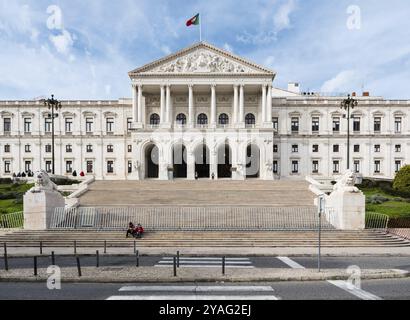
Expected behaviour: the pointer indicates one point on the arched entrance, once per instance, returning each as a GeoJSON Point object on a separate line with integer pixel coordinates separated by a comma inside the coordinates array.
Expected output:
{"type": "Point", "coordinates": [152, 162]}
{"type": "Point", "coordinates": [202, 162]}
{"type": "Point", "coordinates": [179, 156]}
{"type": "Point", "coordinates": [253, 160]}
{"type": "Point", "coordinates": [224, 162]}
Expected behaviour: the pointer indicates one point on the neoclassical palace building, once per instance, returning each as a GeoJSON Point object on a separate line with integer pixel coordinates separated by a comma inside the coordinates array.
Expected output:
{"type": "Point", "coordinates": [206, 113]}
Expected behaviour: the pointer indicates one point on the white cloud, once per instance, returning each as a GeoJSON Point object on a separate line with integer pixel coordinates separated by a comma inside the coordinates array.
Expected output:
{"type": "Point", "coordinates": [281, 19]}
{"type": "Point", "coordinates": [269, 61]}
{"type": "Point", "coordinates": [63, 42]}
{"type": "Point", "coordinates": [166, 50]}
{"type": "Point", "coordinates": [228, 47]}
{"type": "Point", "coordinates": [340, 82]}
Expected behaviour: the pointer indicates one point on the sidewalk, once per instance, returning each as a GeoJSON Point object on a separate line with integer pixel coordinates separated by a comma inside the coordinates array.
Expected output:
{"type": "Point", "coordinates": [201, 251]}
{"type": "Point", "coordinates": [165, 275]}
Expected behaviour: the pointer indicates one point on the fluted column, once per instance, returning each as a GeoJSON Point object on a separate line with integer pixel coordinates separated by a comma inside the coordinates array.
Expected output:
{"type": "Point", "coordinates": [168, 105]}
{"type": "Point", "coordinates": [241, 119]}
{"type": "Point", "coordinates": [235, 105]}
{"type": "Point", "coordinates": [134, 103]}
{"type": "Point", "coordinates": [213, 106]}
{"type": "Point", "coordinates": [263, 113]}
{"type": "Point", "coordinates": [191, 111]}
{"type": "Point", "coordinates": [139, 104]}
{"type": "Point", "coordinates": [162, 112]}
{"type": "Point", "coordinates": [269, 105]}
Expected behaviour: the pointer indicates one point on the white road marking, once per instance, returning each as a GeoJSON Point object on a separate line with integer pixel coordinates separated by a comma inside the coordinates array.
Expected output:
{"type": "Point", "coordinates": [291, 263]}
{"type": "Point", "coordinates": [205, 258]}
{"type": "Point", "coordinates": [198, 288]}
{"type": "Point", "coordinates": [364, 295]}
{"type": "Point", "coordinates": [205, 266]}
{"type": "Point", "coordinates": [195, 297]}
{"type": "Point", "coordinates": [205, 262]}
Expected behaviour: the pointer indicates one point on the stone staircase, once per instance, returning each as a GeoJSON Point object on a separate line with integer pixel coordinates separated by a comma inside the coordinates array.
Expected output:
{"type": "Point", "coordinates": [92, 239]}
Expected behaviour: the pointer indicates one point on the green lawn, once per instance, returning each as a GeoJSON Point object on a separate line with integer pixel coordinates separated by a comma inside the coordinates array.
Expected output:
{"type": "Point", "coordinates": [16, 192]}
{"type": "Point", "coordinates": [393, 208]}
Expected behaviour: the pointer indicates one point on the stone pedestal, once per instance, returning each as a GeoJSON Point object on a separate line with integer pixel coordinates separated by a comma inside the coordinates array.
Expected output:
{"type": "Point", "coordinates": [39, 207]}
{"type": "Point", "coordinates": [349, 209]}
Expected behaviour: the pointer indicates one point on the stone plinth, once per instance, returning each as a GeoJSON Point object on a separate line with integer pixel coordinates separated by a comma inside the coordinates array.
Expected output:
{"type": "Point", "coordinates": [39, 207]}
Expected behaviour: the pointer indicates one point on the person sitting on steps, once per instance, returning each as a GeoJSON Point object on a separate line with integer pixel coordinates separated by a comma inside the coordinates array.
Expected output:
{"type": "Point", "coordinates": [131, 229]}
{"type": "Point", "coordinates": [139, 230]}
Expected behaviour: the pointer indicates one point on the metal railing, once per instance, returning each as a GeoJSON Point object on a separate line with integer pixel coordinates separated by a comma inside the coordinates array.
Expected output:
{"type": "Point", "coordinates": [12, 220]}
{"type": "Point", "coordinates": [377, 221]}
{"type": "Point", "coordinates": [188, 218]}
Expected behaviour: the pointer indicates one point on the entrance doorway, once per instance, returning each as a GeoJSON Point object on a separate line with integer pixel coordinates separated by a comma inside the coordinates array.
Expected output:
{"type": "Point", "coordinates": [179, 156]}
{"type": "Point", "coordinates": [152, 162]}
{"type": "Point", "coordinates": [202, 162]}
{"type": "Point", "coordinates": [224, 162]}
{"type": "Point", "coordinates": [253, 156]}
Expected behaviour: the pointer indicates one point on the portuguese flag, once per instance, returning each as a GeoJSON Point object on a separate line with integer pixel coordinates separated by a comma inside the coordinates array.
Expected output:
{"type": "Point", "coordinates": [193, 21]}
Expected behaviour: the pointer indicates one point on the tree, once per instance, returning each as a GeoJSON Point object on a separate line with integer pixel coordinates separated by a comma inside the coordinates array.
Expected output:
{"type": "Point", "coordinates": [402, 181]}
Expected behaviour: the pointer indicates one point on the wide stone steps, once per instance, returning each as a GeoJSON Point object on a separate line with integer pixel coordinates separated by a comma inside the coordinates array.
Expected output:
{"type": "Point", "coordinates": [203, 239]}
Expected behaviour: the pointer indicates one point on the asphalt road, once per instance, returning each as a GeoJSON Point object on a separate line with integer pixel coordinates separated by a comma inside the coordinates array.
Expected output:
{"type": "Point", "coordinates": [397, 289]}
{"type": "Point", "coordinates": [373, 262]}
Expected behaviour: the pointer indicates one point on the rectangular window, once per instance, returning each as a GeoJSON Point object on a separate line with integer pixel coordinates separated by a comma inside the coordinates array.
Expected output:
{"type": "Point", "coordinates": [27, 148]}
{"type": "Point", "coordinates": [89, 125]}
{"type": "Point", "coordinates": [315, 166]}
{"type": "Point", "coordinates": [129, 124]}
{"type": "Point", "coordinates": [129, 148]}
{"type": "Point", "coordinates": [89, 148]}
{"type": "Point", "coordinates": [68, 148]}
{"type": "Point", "coordinates": [110, 148]}
{"type": "Point", "coordinates": [275, 148]}
{"type": "Point", "coordinates": [315, 148]}
{"type": "Point", "coordinates": [47, 125]}
{"type": "Point", "coordinates": [356, 166]}
{"type": "Point", "coordinates": [356, 125]}
{"type": "Point", "coordinates": [110, 166]}
{"type": "Point", "coordinates": [397, 125]}
{"type": "Point", "coordinates": [377, 148]}
{"type": "Point", "coordinates": [377, 125]}
{"type": "Point", "coordinates": [397, 165]}
{"type": "Point", "coordinates": [295, 167]}
{"type": "Point", "coordinates": [275, 166]}
{"type": "Point", "coordinates": [69, 166]}
{"type": "Point", "coordinates": [295, 148]}
{"type": "Point", "coordinates": [7, 166]}
{"type": "Point", "coordinates": [397, 147]}
{"type": "Point", "coordinates": [377, 166]}
{"type": "Point", "coordinates": [336, 166]}
{"type": "Point", "coordinates": [27, 166]}
{"type": "Point", "coordinates": [356, 148]}
{"type": "Point", "coordinates": [7, 148]}
{"type": "Point", "coordinates": [129, 166]}
{"type": "Point", "coordinates": [110, 125]}
{"type": "Point", "coordinates": [68, 125]}
{"type": "Point", "coordinates": [275, 123]}
{"type": "Point", "coordinates": [90, 167]}
{"type": "Point", "coordinates": [48, 148]}
{"type": "Point", "coordinates": [27, 125]}
{"type": "Point", "coordinates": [315, 124]}
{"type": "Point", "coordinates": [7, 125]}
{"type": "Point", "coordinates": [336, 125]}
{"type": "Point", "coordinates": [336, 148]}
{"type": "Point", "coordinates": [48, 166]}
{"type": "Point", "coordinates": [295, 125]}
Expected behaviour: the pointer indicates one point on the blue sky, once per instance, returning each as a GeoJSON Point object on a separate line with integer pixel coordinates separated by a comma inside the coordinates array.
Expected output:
{"type": "Point", "coordinates": [87, 53]}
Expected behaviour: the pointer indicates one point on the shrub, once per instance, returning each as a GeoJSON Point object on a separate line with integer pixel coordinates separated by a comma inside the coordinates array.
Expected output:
{"type": "Point", "coordinates": [402, 181]}
{"type": "Point", "coordinates": [5, 181]}
{"type": "Point", "coordinates": [377, 199]}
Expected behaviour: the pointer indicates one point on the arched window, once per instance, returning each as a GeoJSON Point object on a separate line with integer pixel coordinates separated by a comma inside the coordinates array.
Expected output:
{"type": "Point", "coordinates": [223, 119]}
{"type": "Point", "coordinates": [202, 119]}
{"type": "Point", "coordinates": [181, 119]}
{"type": "Point", "coordinates": [250, 119]}
{"type": "Point", "coordinates": [154, 120]}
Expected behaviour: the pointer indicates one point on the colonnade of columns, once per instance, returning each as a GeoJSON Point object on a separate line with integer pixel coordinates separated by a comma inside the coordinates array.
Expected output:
{"type": "Point", "coordinates": [166, 106]}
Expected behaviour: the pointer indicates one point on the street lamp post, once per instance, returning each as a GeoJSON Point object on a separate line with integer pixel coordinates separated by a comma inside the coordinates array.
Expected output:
{"type": "Point", "coordinates": [54, 105]}
{"type": "Point", "coordinates": [348, 104]}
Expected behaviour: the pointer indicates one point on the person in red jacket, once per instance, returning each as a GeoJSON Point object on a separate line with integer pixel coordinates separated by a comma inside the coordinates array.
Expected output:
{"type": "Point", "coordinates": [139, 230]}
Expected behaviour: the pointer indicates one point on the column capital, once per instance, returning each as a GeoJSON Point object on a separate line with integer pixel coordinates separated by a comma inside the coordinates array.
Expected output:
{"type": "Point", "coordinates": [134, 85]}
{"type": "Point", "coordinates": [191, 85]}
{"type": "Point", "coordinates": [213, 85]}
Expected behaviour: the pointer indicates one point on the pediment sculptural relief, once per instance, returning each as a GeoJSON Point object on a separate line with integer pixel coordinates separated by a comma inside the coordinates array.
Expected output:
{"type": "Point", "coordinates": [203, 61]}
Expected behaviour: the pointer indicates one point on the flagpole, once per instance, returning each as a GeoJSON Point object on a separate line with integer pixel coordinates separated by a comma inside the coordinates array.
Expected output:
{"type": "Point", "coordinates": [200, 28]}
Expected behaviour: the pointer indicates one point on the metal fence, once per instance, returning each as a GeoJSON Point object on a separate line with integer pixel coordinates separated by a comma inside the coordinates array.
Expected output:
{"type": "Point", "coordinates": [377, 221]}
{"type": "Point", "coordinates": [12, 220]}
{"type": "Point", "coordinates": [188, 219]}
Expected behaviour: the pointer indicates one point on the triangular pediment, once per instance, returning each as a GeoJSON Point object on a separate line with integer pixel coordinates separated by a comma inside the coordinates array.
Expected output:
{"type": "Point", "coordinates": [202, 58]}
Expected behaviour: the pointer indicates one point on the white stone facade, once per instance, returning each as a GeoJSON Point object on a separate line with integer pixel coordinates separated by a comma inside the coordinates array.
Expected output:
{"type": "Point", "coordinates": [204, 96]}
